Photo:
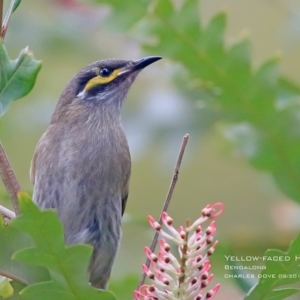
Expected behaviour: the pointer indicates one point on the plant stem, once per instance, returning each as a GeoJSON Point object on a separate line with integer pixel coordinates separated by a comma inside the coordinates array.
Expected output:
{"type": "Point", "coordinates": [7, 212]}
{"type": "Point", "coordinates": [13, 5]}
{"type": "Point", "coordinates": [13, 277]}
{"type": "Point", "coordinates": [167, 202]}
{"type": "Point", "coordinates": [9, 179]}
{"type": "Point", "coordinates": [1, 14]}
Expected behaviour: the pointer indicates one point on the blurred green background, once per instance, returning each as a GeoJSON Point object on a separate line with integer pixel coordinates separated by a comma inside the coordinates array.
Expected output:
{"type": "Point", "coordinates": [66, 36]}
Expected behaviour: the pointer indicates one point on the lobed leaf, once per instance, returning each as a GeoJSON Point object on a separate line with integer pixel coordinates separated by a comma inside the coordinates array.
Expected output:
{"type": "Point", "coordinates": [67, 266]}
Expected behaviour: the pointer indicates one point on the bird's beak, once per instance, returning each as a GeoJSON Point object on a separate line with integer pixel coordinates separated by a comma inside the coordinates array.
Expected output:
{"type": "Point", "coordinates": [140, 64]}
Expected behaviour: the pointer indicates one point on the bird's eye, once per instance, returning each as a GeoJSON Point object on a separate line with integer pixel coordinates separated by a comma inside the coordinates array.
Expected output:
{"type": "Point", "coordinates": [105, 72]}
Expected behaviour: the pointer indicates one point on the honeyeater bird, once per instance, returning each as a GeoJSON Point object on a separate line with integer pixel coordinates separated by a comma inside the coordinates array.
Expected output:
{"type": "Point", "coordinates": [81, 165]}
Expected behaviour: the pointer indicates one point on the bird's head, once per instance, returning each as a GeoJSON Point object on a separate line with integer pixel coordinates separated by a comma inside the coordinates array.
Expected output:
{"type": "Point", "coordinates": [103, 82]}
{"type": "Point", "coordinates": [109, 80]}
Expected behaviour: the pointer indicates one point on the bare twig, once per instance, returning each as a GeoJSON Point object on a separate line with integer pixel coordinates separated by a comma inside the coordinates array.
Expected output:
{"type": "Point", "coordinates": [9, 179]}
{"type": "Point", "coordinates": [13, 5]}
{"type": "Point", "coordinates": [13, 277]}
{"type": "Point", "coordinates": [7, 213]}
{"type": "Point", "coordinates": [167, 201]}
{"type": "Point", "coordinates": [1, 14]}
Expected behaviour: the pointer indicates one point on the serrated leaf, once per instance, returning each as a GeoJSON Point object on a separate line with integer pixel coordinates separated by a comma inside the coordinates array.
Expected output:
{"type": "Point", "coordinates": [241, 94]}
{"type": "Point", "coordinates": [67, 266]}
{"type": "Point", "coordinates": [278, 272]}
{"type": "Point", "coordinates": [17, 77]}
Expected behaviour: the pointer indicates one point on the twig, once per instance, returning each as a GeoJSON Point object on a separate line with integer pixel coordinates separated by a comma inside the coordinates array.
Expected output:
{"type": "Point", "coordinates": [167, 201]}
{"type": "Point", "coordinates": [12, 7]}
{"type": "Point", "coordinates": [7, 213]}
{"type": "Point", "coordinates": [13, 277]}
{"type": "Point", "coordinates": [1, 14]}
{"type": "Point", "coordinates": [9, 179]}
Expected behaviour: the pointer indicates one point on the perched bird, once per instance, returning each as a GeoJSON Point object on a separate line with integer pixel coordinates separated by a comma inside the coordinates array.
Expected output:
{"type": "Point", "coordinates": [81, 165]}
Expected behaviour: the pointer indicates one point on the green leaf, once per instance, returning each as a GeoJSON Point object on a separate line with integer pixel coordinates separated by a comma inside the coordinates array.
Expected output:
{"type": "Point", "coordinates": [12, 240]}
{"type": "Point", "coordinates": [282, 268]}
{"type": "Point", "coordinates": [67, 266]}
{"type": "Point", "coordinates": [17, 77]}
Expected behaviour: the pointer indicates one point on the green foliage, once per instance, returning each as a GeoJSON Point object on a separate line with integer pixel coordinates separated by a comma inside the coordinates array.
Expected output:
{"type": "Point", "coordinates": [247, 98]}
{"type": "Point", "coordinates": [278, 273]}
{"type": "Point", "coordinates": [14, 240]}
{"type": "Point", "coordinates": [17, 77]}
{"type": "Point", "coordinates": [66, 276]}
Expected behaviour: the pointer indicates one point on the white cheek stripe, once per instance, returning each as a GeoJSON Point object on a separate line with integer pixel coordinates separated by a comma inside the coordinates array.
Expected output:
{"type": "Point", "coordinates": [82, 94]}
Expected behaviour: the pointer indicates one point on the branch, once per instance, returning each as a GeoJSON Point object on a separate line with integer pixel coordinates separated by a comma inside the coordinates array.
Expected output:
{"type": "Point", "coordinates": [9, 179]}
{"type": "Point", "coordinates": [13, 277]}
{"type": "Point", "coordinates": [1, 14]}
{"type": "Point", "coordinates": [167, 202]}
{"type": "Point", "coordinates": [12, 7]}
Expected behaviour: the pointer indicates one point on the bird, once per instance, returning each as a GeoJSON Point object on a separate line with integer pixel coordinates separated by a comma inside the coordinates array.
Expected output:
{"type": "Point", "coordinates": [81, 165]}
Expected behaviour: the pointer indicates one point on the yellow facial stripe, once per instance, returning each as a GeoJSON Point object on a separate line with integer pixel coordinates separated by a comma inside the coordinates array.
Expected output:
{"type": "Point", "coordinates": [98, 80]}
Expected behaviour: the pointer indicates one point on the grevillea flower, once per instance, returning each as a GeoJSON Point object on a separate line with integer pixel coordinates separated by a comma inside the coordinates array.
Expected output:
{"type": "Point", "coordinates": [187, 276]}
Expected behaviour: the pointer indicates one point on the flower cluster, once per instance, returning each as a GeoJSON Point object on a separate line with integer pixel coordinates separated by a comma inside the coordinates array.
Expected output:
{"type": "Point", "coordinates": [188, 276]}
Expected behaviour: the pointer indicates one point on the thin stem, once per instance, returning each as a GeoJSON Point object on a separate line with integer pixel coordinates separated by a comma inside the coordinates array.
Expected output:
{"type": "Point", "coordinates": [13, 277]}
{"type": "Point", "coordinates": [167, 201]}
{"type": "Point", "coordinates": [7, 212]}
{"type": "Point", "coordinates": [1, 14]}
{"type": "Point", "coordinates": [13, 5]}
{"type": "Point", "coordinates": [9, 179]}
